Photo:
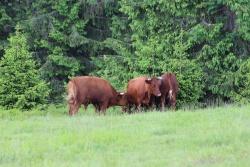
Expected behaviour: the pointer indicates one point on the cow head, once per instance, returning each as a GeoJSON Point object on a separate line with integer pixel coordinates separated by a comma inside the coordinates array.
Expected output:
{"type": "Point", "coordinates": [121, 99]}
{"type": "Point", "coordinates": [73, 108]}
{"type": "Point", "coordinates": [154, 85]}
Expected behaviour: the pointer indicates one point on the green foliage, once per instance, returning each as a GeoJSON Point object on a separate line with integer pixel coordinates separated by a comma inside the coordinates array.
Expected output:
{"type": "Point", "coordinates": [158, 47]}
{"type": "Point", "coordinates": [242, 80]}
{"type": "Point", "coordinates": [64, 35]}
{"type": "Point", "coordinates": [56, 70]}
{"type": "Point", "coordinates": [202, 37]}
{"type": "Point", "coordinates": [215, 43]}
{"type": "Point", "coordinates": [119, 40]}
{"type": "Point", "coordinates": [21, 84]}
{"type": "Point", "coordinates": [11, 12]}
{"type": "Point", "coordinates": [115, 68]}
{"type": "Point", "coordinates": [190, 77]}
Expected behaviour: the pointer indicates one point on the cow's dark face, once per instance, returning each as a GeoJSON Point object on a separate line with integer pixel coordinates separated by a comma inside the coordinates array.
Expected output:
{"type": "Point", "coordinates": [154, 85]}
{"type": "Point", "coordinates": [122, 99]}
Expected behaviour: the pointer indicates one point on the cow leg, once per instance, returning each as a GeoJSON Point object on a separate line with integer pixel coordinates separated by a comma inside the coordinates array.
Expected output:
{"type": "Point", "coordinates": [70, 109]}
{"type": "Point", "coordinates": [125, 109]}
{"type": "Point", "coordinates": [172, 102]}
{"type": "Point", "coordinates": [139, 108]}
{"type": "Point", "coordinates": [97, 108]}
{"type": "Point", "coordinates": [132, 108]}
{"type": "Point", "coordinates": [152, 103]}
{"type": "Point", "coordinates": [138, 104]}
{"type": "Point", "coordinates": [163, 98]}
{"type": "Point", "coordinates": [173, 106]}
{"type": "Point", "coordinates": [85, 107]}
{"type": "Point", "coordinates": [103, 107]}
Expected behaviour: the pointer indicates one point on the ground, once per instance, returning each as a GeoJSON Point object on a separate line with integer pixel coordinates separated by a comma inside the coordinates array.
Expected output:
{"type": "Point", "coordinates": [203, 137]}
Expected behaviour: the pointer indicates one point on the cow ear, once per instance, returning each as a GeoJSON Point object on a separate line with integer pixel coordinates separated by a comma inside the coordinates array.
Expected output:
{"type": "Point", "coordinates": [148, 80]}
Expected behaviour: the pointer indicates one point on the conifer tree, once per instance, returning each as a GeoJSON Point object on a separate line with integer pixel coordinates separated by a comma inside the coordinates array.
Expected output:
{"type": "Point", "coordinates": [21, 84]}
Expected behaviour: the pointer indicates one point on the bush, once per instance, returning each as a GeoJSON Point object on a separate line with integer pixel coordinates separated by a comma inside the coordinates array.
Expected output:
{"type": "Point", "coordinates": [241, 92]}
{"type": "Point", "coordinates": [190, 77]}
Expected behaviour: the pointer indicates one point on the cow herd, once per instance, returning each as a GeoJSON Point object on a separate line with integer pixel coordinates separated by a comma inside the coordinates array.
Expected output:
{"type": "Point", "coordinates": [141, 92]}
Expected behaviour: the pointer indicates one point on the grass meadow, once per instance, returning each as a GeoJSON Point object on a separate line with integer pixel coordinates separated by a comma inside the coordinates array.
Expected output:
{"type": "Point", "coordinates": [187, 138]}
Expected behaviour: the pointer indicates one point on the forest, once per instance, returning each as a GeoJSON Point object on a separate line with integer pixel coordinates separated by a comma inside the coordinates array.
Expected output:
{"type": "Point", "coordinates": [206, 43]}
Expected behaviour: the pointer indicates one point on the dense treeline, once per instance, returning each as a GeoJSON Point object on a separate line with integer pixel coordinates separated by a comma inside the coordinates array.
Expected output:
{"type": "Point", "coordinates": [206, 43]}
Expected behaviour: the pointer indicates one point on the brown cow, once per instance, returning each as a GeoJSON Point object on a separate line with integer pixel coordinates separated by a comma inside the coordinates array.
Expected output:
{"type": "Point", "coordinates": [92, 90]}
{"type": "Point", "coordinates": [139, 90]}
{"type": "Point", "coordinates": [169, 89]}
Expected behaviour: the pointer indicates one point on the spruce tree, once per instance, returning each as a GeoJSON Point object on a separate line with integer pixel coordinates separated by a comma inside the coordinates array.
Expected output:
{"type": "Point", "coordinates": [21, 84]}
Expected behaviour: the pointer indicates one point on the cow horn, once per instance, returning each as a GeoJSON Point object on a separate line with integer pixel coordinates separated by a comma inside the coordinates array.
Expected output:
{"type": "Point", "coordinates": [122, 93]}
{"type": "Point", "coordinates": [160, 78]}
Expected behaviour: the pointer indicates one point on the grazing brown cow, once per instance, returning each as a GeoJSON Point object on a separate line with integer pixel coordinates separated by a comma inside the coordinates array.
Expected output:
{"type": "Point", "coordinates": [169, 89]}
{"type": "Point", "coordinates": [92, 90]}
{"type": "Point", "coordinates": [139, 90]}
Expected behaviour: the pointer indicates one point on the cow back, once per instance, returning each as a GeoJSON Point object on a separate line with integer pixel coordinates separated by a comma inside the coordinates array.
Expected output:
{"type": "Point", "coordinates": [169, 82]}
{"type": "Point", "coordinates": [140, 89]}
{"type": "Point", "coordinates": [136, 89]}
{"type": "Point", "coordinates": [90, 88]}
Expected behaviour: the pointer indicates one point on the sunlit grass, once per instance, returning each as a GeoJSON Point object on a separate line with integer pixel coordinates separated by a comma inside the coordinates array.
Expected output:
{"type": "Point", "coordinates": [206, 137]}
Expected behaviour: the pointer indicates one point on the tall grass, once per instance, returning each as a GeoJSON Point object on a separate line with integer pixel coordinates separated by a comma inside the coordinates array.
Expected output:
{"type": "Point", "coordinates": [207, 137]}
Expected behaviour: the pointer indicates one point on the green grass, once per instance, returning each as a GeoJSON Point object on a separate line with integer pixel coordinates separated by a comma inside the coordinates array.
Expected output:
{"type": "Point", "coordinates": [208, 137]}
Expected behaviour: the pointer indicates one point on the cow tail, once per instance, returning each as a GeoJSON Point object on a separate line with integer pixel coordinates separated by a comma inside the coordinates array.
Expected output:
{"type": "Point", "coordinates": [72, 92]}
{"type": "Point", "coordinates": [171, 94]}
